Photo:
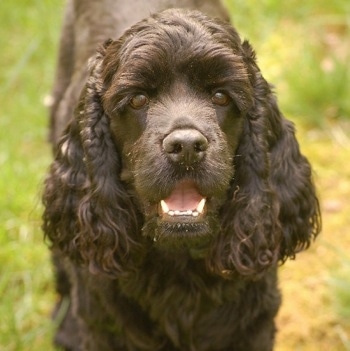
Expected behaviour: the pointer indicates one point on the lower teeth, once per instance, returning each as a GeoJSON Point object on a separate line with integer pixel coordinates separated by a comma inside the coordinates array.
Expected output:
{"type": "Point", "coordinates": [183, 213]}
{"type": "Point", "coordinates": [193, 213]}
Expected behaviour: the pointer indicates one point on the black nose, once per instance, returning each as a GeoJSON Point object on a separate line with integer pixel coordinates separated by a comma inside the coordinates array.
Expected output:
{"type": "Point", "coordinates": [185, 146]}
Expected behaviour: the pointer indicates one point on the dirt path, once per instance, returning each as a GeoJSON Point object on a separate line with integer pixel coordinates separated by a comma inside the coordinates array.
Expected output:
{"type": "Point", "coordinates": [309, 319]}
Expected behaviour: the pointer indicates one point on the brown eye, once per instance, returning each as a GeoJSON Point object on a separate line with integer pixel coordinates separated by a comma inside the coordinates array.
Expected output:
{"type": "Point", "coordinates": [138, 101]}
{"type": "Point", "coordinates": [220, 99]}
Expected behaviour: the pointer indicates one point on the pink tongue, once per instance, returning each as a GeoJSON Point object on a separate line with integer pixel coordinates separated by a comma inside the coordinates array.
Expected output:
{"type": "Point", "coordinates": [185, 196]}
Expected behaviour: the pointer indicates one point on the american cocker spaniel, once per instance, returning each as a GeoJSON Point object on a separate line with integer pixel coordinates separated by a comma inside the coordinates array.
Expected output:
{"type": "Point", "coordinates": [177, 190]}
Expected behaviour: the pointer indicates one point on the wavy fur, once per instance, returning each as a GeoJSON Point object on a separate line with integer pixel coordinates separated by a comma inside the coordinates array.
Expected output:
{"type": "Point", "coordinates": [135, 286]}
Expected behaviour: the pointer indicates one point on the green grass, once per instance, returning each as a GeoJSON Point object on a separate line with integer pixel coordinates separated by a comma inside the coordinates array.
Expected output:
{"type": "Point", "coordinates": [312, 81]}
{"type": "Point", "coordinates": [341, 285]}
{"type": "Point", "coordinates": [339, 282]}
{"type": "Point", "coordinates": [303, 49]}
{"type": "Point", "coordinates": [28, 38]}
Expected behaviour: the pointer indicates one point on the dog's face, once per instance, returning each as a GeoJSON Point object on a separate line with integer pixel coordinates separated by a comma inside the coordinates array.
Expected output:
{"type": "Point", "coordinates": [178, 133]}
{"type": "Point", "coordinates": [176, 104]}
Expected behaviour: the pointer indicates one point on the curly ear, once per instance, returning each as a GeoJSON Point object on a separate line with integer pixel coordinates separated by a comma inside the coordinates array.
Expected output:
{"type": "Point", "coordinates": [88, 212]}
{"type": "Point", "coordinates": [291, 179]}
{"type": "Point", "coordinates": [251, 233]}
{"type": "Point", "coordinates": [272, 211]}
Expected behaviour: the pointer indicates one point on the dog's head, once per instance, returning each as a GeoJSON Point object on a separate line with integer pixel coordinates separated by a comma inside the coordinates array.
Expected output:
{"type": "Point", "coordinates": [177, 133]}
{"type": "Point", "coordinates": [176, 91]}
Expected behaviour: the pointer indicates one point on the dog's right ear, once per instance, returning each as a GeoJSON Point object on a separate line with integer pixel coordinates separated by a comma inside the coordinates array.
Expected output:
{"type": "Point", "coordinates": [88, 213]}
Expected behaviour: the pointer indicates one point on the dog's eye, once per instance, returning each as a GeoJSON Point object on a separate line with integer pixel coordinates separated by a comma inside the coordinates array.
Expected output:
{"type": "Point", "coordinates": [138, 101]}
{"type": "Point", "coordinates": [220, 98]}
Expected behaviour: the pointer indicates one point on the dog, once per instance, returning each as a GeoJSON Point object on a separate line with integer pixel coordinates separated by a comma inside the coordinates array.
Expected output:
{"type": "Point", "coordinates": [177, 189]}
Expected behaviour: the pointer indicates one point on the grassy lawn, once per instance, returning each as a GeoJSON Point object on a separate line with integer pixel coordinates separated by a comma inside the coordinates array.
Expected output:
{"type": "Point", "coordinates": [303, 48]}
{"type": "Point", "coordinates": [28, 38]}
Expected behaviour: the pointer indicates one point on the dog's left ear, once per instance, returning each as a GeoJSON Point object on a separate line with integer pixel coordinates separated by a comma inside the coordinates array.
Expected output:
{"type": "Point", "coordinates": [291, 181]}
{"type": "Point", "coordinates": [272, 212]}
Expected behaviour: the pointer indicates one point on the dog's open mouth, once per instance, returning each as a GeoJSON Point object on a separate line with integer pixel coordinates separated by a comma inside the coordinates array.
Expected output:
{"type": "Point", "coordinates": [183, 219]}
{"type": "Point", "coordinates": [184, 204]}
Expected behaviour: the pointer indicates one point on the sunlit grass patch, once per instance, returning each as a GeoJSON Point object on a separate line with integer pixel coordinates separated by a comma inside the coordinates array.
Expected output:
{"type": "Point", "coordinates": [303, 49]}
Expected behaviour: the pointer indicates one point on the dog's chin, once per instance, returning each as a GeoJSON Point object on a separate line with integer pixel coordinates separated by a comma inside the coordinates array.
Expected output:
{"type": "Point", "coordinates": [182, 233]}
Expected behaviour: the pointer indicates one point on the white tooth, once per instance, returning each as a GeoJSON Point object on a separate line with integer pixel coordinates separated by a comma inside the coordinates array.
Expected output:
{"type": "Point", "coordinates": [189, 213]}
{"type": "Point", "coordinates": [171, 213]}
{"type": "Point", "coordinates": [201, 205]}
{"type": "Point", "coordinates": [164, 206]}
{"type": "Point", "coordinates": [195, 214]}
{"type": "Point", "coordinates": [177, 213]}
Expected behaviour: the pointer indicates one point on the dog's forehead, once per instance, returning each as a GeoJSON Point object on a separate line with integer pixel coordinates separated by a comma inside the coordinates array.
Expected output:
{"type": "Point", "coordinates": [166, 50]}
{"type": "Point", "coordinates": [152, 56]}
{"type": "Point", "coordinates": [178, 38]}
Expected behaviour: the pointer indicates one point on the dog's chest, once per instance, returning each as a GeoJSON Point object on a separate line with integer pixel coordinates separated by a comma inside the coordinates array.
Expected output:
{"type": "Point", "coordinates": [184, 305]}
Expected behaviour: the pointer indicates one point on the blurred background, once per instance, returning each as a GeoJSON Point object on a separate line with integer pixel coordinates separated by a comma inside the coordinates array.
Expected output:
{"type": "Point", "coordinates": [303, 48]}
